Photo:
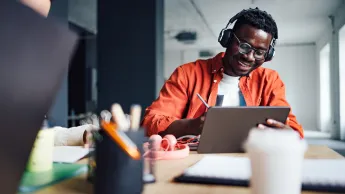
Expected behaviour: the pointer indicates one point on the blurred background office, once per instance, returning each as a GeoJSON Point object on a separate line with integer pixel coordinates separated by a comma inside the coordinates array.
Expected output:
{"type": "Point", "coordinates": [128, 49]}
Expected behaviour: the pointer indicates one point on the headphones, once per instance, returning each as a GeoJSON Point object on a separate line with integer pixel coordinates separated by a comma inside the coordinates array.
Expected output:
{"type": "Point", "coordinates": [226, 35]}
{"type": "Point", "coordinates": [166, 148]}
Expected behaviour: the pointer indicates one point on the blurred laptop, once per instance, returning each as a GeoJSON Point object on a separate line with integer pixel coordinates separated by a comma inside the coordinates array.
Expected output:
{"type": "Point", "coordinates": [34, 58]}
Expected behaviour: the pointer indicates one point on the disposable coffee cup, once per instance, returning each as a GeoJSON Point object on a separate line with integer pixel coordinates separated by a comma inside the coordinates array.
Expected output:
{"type": "Point", "coordinates": [276, 158]}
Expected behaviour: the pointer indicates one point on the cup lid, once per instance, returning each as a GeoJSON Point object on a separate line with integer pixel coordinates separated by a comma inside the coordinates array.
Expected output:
{"type": "Point", "coordinates": [274, 140]}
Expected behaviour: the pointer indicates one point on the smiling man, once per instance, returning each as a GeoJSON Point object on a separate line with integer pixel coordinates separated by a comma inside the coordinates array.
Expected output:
{"type": "Point", "coordinates": [234, 76]}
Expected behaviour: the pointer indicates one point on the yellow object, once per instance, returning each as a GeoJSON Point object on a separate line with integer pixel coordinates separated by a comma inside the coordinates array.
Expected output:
{"type": "Point", "coordinates": [41, 158]}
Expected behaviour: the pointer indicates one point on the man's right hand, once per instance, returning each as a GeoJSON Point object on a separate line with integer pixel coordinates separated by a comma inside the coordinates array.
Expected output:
{"type": "Point", "coordinates": [196, 125]}
{"type": "Point", "coordinates": [183, 127]}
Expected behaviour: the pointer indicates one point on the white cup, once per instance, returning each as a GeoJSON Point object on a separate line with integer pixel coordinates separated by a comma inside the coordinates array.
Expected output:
{"type": "Point", "coordinates": [276, 158]}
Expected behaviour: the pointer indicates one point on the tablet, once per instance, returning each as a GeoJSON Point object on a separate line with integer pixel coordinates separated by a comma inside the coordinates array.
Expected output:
{"type": "Point", "coordinates": [226, 128]}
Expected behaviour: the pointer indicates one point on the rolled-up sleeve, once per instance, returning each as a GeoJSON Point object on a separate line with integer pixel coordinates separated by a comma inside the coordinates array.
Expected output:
{"type": "Point", "coordinates": [277, 98]}
{"type": "Point", "coordinates": [170, 104]}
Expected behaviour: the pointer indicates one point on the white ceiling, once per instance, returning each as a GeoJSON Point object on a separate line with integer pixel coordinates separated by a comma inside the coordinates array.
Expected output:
{"type": "Point", "coordinates": [299, 21]}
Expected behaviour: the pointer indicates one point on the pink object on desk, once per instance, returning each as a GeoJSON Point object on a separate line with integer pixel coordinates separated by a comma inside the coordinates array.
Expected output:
{"type": "Point", "coordinates": [166, 148]}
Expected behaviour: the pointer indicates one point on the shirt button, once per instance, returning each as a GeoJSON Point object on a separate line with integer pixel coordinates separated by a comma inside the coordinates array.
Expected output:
{"type": "Point", "coordinates": [214, 71]}
{"type": "Point", "coordinates": [215, 81]}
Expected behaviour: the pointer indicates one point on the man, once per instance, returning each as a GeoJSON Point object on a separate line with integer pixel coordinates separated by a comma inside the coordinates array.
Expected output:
{"type": "Point", "coordinates": [75, 136]}
{"type": "Point", "coordinates": [236, 75]}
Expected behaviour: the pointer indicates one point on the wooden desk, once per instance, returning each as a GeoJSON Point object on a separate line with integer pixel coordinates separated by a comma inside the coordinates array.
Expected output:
{"type": "Point", "coordinates": [167, 170]}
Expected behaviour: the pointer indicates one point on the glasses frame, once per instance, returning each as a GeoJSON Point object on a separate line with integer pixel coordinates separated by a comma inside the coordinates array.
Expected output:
{"type": "Point", "coordinates": [250, 48]}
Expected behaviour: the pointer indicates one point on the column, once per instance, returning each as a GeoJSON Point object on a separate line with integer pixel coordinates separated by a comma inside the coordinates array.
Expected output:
{"type": "Point", "coordinates": [59, 111]}
{"type": "Point", "coordinates": [130, 52]}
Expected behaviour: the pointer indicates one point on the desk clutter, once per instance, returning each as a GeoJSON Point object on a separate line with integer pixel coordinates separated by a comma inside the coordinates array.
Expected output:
{"type": "Point", "coordinates": [166, 148]}
{"type": "Point", "coordinates": [275, 164]}
{"type": "Point", "coordinates": [122, 160]}
{"type": "Point", "coordinates": [118, 165]}
{"type": "Point", "coordinates": [48, 165]}
{"type": "Point", "coordinates": [70, 154]}
{"type": "Point", "coordinates": [317, 174]}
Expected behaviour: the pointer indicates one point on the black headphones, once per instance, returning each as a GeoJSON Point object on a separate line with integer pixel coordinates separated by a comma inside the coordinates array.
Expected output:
{"type": "Point", "coordinates": [225, 36]}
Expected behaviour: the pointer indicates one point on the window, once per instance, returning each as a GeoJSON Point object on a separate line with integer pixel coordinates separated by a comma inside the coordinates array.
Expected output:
{"type": "Point", "coordinates": [342, 80]}
{"type": "Point", "coordinates": [325, 90]}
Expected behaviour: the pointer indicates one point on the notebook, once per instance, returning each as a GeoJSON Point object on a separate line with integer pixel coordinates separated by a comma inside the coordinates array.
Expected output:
{"type": "Point", "coordinates": [70, 154]}
{"type": "Point", "coordinates": [318, 174]}
{"type": "Point", "coordinates": [34, 181]}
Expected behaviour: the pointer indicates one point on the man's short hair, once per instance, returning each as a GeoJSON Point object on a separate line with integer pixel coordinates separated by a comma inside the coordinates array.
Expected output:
{"type": "Point", "coordinates": [259, 19]}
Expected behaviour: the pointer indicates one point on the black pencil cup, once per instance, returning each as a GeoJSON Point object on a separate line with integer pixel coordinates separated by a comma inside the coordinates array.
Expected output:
{"type": "Point", "coordinates": [116, 172]}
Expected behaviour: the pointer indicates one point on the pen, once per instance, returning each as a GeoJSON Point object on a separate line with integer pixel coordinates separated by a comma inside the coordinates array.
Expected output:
{"type": "Point", "coordinates": [119, 137]}
{"type": "Point", "coordinates": [119, 117]}
{"type": "Point", "coordinates": [203, 101]}
{"type": "Point", "coordinates": [135, 117]}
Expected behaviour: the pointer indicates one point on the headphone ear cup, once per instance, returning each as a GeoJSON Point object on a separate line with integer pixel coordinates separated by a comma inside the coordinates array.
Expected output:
{"type": "Point", "coordinates": [156, 141]}
{"type": "Point", "coordinates": [172, 142]}
{"type": "Point", "coordinates": [270, 54]}
{"type": "Point", "coordinates": [225, 37]}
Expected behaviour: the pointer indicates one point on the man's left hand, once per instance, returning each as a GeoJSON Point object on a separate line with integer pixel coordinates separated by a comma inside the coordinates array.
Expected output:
{"type": "Point", "coordinates": [271, 123]}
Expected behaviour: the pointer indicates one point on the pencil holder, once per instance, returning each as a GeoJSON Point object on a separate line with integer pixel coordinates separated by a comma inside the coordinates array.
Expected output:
{"type": "Point", "coordinates": [116, 172]}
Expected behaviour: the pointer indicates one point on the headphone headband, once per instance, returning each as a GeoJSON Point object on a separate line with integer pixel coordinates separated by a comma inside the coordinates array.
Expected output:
{"type": "Point", "coordinates": [235, 17]}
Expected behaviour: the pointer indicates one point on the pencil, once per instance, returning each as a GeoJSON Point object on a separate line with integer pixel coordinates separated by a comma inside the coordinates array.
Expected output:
{"type": "Point", "coordinates": [119, 117]}
{"type": "Point", "coordinates": [135, 117]}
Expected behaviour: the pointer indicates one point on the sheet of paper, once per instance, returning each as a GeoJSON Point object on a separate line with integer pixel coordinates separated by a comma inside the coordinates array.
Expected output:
{"type": "Point", "coordinates": [221, 167]}
{"type": "Point", "coordinates": [69, 154]}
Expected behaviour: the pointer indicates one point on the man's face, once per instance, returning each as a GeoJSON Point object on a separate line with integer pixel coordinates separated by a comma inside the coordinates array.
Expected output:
{"type": "Point", "coordinates": [247, 50]}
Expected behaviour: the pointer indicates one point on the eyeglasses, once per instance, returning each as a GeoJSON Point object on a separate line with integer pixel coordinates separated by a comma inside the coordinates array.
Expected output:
{"type": "Point", "coordinates": [245, 48]}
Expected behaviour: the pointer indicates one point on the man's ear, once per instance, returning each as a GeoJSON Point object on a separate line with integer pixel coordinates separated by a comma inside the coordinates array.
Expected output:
{"type": "Point", "coordinates": [40, 6]}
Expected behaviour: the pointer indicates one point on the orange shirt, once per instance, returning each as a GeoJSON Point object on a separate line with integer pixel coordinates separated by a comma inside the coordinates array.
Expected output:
{"type": "Point", "coordinates": [177, 99]}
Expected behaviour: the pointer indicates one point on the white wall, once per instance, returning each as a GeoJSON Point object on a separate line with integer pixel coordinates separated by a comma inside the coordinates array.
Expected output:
{"type": "Point", "coordinates": [331, 36]}
{"type": "Point", "coordinates": [297, 68]}
{"type": "Point", "coordinates": [175, 58]}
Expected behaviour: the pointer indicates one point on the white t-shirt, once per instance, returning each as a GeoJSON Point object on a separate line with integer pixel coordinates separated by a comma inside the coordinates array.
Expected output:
{"type": "Point", "coordinates": [229, 88]}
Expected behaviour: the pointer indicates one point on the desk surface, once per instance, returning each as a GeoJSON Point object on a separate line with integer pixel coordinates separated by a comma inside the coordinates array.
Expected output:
{"type": "Point", "coordinates": [168, 169]}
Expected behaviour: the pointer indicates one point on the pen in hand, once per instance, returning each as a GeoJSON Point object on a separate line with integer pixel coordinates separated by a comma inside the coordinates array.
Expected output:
{"type": "Point", "coordinates": [203, 101]}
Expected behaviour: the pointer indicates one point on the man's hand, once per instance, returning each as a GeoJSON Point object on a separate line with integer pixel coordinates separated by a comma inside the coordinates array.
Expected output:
{"type": "Point", "coordinates": [271, 123]}
{"type": "Point", "coordinates": [196, 125]}
{"type": "Point", "coordinates": [184, 127]}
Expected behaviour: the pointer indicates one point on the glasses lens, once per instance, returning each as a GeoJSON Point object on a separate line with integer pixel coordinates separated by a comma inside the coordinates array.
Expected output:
{"type": "Point", "coordinates": [245, 48]}
{"type": "Point", "coordinates": [259, 54]}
